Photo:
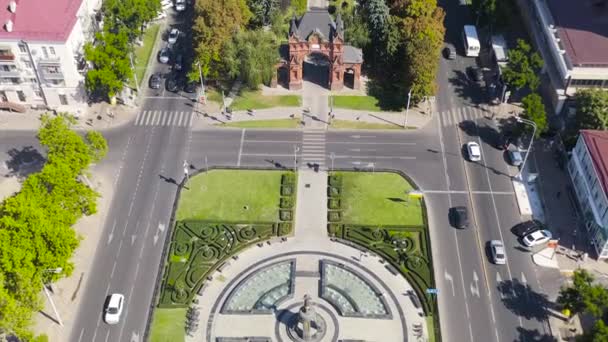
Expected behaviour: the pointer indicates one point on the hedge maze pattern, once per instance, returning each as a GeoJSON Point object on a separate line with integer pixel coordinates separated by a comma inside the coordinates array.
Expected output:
{"type": "Point", "coordinates": [198, 248]}
{"type": "Point", "coordinates": [406, 248]}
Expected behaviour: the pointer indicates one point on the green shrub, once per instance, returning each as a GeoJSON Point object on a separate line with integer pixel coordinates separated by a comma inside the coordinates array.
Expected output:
{"type": "Point", "coordinates": [334, 216]}
{"type": "Point", "coordinates": [288, 179]}
{"type": "Point", "coordinates": [334, 203]}
{"type": "Point", "coordinates": [333, 191]}
{"type": "Point", "coordinates": [334, 228]}
{"type": "Point", "coordinates": [284, 228]}
{"type": "Point", "coordinates": [285, 215]}
{"type": "Point", "coordinates": [286, 202]}
{"type": "Point", "coordinates": [286, 190]}
{"type": "Point", "coordinates": [335, 180]}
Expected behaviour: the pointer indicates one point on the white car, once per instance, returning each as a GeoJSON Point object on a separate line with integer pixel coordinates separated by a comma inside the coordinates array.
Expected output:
{"type": "Point", "coordinates": [180, 5]}
{"type": "Point", "coordinates": [536, 238]}
{"type": "Point", "coordinates": [474, 151]}
{"type": "Point", "coordinates": [498, 252]}
{"type": "Point", "coordinates": [163, 56]}
{"type": "Point", "coordinates": [173, 35]}
{"type": "Point", "coordinates": [113, 308]}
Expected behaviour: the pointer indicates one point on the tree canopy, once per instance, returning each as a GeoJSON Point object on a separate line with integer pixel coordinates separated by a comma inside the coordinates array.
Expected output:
{"type": "Point", "coordinates": [523, 67]}
{"type": "Point", "coordinates": [37, 222]}
{"type": "Point", "coordinates": [534, 110]}
{"type": "Point", "coordinates": [129, 15]}
{"type": "Point", "coordinates": [109, 56]}
{"type": "Point", "coordinates": [592, 109]}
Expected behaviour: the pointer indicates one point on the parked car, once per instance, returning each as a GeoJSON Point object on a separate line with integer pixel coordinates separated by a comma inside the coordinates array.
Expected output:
{"type": "Point", "coordinates": [475, 74]}
{"type": "Point", "coordinates": [527, 227]}
{"type": "Point", "coordinates": [537, 237]}
{"type": "Point", "coordinates": [502, 142]}
{"type": "Point", "coordinates": [449, 52]}
{"type": "Point", "coordinates": [474, 151]}
{"type": "Point", "coordinates": [180, 5]}
{"type": "Point", "coordinates": [515, 157]}
{"type": "Point", "coordinates": [497, 250]}
{"type": "Point", "coordinates": [179, 60]}
{"type": "Point", "coordinates": [171, 84]}
{"type": "Point", "coordinates": [163, 55]}
{"type": "Point", "coordinates": [191, 87]}
{"type": "Point", "coordinates": [155, 81]}
{"type": "Point", "coordinates": [173, 35]}
{"type": "Point", "coordinates": [113, 308]}
{"type": "Point", "coordinates": [459, 217]}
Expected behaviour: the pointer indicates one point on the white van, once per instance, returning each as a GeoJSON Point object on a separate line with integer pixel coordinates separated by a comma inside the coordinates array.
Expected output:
{"type": "Point", "coordinates": [499, 49]}
{"type": "Point", "coordinates": [470, 41]}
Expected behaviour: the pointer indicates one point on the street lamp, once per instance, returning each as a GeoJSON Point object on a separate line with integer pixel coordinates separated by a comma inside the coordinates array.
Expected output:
{"type": "Point", "coordinates": [200, 73]}
{"type": "Point", "coordinates": [332, 156]}
{"type": "Point", "coordinates": [48, 295]}
{"type": "Point", "coordinates": [134, 72]}
{"type": "Point", "coordinates": [295, 157]}
{"type": "Point", "coordinates": [186, 170]}
{"type": "Point", "coordinates": [407, 108]}
{"type": "Point", "coordinates": [533, 124]}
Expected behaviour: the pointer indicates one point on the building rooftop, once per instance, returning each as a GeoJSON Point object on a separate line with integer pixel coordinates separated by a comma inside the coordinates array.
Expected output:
{"type": "Point", "coordinates": [597, 144]}
{"type": "Point", "coordinates": [583, 29]}
{"type": "Point", "coordinates": [39, 20]}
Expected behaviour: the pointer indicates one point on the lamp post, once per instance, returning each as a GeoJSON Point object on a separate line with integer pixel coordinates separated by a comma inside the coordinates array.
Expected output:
{"type": "Point", "coordinates": [295, 158]}
{"type": "Point", "coordinates": [407, 108]}
{"type": "Point", "coordinates": [200, 74]}
{"type": "Point", "coordinates": [533, 124]}
{"type": "Point", "coordinates": [186, 173]}
{"type": "Point", "coordinates": [48, 295]}
{"type": "Point", "coordinates": [134, 72]}
{"type": "Point", "coordinates": [332, 156]}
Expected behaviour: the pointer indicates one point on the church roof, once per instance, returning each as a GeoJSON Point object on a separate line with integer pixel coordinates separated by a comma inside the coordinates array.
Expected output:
{"type": "Point", "coordinates": [315, 20]}
{"type": "Point", "coordinates": [352, 55]}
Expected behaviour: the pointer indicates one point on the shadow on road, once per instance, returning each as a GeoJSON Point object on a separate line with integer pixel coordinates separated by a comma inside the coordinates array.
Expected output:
{"type": "Point", "coordinates": [520, 299]}
{"type": "Point", "coordinates": [276, 164]}
{"type": "Point", "coordinates": [527, 335]}
{"type": "Point", "coordinates": [168, 180]}
{"type": "Point", "coordinates": [24, 161]}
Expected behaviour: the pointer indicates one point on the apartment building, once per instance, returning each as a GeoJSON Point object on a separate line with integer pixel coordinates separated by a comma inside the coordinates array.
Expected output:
{"type": "Point", "coordinates": [588, 167]}
{"type": "Point", "coordinates": [41, 52]}
{"type": "Point", "coordinates": [572, 36]}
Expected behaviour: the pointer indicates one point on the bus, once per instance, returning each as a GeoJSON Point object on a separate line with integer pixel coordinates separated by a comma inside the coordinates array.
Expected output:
{"type": "Point", "coordinates": [470, 41]}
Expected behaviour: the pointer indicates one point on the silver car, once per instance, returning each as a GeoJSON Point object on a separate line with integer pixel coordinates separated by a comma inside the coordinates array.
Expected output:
{"type": "Point", "coordinates": [474, 151]}
{"type": "Point", "coordinates": [498, 252]}
{"type": "Point", "coordinates": [173, 35]}
{"type": "Point", "coordinates": [163, 55]}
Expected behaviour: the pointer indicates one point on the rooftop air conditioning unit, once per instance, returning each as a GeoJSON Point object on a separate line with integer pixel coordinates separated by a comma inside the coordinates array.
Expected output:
{"type": "Point", "coordinates": [8, 25]}
{"type": "Point", "coordinates": [12, 6]}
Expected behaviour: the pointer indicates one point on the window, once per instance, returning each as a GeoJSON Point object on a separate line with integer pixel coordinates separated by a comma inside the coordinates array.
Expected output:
{"type": "Point", "coordinates": [56, 82]}
{"type": "Point", "coordinates": [27, 64]}
{"type": "Point", "coordinates": [45, 52]}
{"type": "Point", "coordinates": [52, 50]}
{"type": "Point", "coordinates": [21, 95]}
{"type": "Point", "coordinates": [22, 48]}
{"type": "Point", "coordinates": [33, 80]}
{"type": "Point", "coordinates": [38, 93]}
{"type": "Point", "coordinates": [3, 96]}
{"type": "Point", "coordinates": [63, 99]}
{"type": "Point", "coordinates": [52, 69]}
{"type": "Point", "coordinates": [7, 67]}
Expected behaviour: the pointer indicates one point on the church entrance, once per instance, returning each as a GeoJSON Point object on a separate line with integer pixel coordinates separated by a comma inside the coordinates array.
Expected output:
{"type": "Point", "coordinates": [315, 69]}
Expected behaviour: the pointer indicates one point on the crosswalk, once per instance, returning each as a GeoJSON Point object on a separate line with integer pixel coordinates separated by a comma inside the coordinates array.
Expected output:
{"type": "Point", "coordinates": [313, 148]}
{"type": "Point", "coordinates": [455, 116]}
{"type": "Point", "coordinates": [164, 118]}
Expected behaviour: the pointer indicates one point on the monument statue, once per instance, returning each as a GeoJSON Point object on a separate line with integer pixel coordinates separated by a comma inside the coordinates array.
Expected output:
{"type": "Point", "coordinates": [308, 325]}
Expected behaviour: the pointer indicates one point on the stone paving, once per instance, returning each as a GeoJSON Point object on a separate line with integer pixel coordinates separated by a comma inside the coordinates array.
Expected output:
{"type": "Point", "coordinates": [310, 248]}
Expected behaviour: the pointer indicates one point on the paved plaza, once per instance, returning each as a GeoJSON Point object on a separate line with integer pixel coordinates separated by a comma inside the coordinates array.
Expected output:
{"type": "Point", "coordinates": [259, 292]}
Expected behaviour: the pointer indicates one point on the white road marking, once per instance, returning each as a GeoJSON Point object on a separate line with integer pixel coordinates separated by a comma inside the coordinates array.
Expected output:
{"type": "Point", "coordinates": [134, 337]}
{"type": "Point", "coordinates": [373, 157]}
{"type": "Point", "coordinates": [161, 228]}
{"type": "Point", "coordinates": [362, 136]}
{"type": "Point", "coordinates": [371, 143]}
{"type": "Point", "coordinates": [475, 285]}
{"type": "Point", "coordinates": [111, 235]}
{"type": "Point", "coordinates": [274, 141]}
{"type": "Point", "coordinates": [498, 281]}
{"type": "Point", "coordinates": [81, 333]}
{"type": "Point", "coordinates": [238, 162]}
{"type": "Point", "coordinates": [107, 336]}
{"type": "Point", "coordinates": [133, 238]}
{"type": "Point", "coordinates": [448, 277]}
{"type": "Point", "coordinates": [113, 269]}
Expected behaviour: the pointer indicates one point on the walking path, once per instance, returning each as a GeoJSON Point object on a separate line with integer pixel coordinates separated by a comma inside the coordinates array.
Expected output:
{"type": "Point", "coordinates": [311, 207]}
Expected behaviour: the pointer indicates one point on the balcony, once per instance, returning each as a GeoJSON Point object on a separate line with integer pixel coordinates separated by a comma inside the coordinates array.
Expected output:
{"type": "Point", "coordinates": [49, 61]}
{"type": "Point", "coordinates": [6, 55]}
{"type": "Point", "coordinates": [51, 75]}
{"type": "Point", "coordinates": [10, 73]}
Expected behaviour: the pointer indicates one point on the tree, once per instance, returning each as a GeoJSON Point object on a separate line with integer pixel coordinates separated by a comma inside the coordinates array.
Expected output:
{"type": "Point", "coordinates": [299, 6]}
{"type": "Point", "coordinates": [485, 10]}
{"type": "Point", "coordinates": [214, 24]}
{"type": "Point", "coordinates": [599, 333]}
{"type": "Point", "coordinates": [262, 12]}
{"type": "Point", "coordinates": [592, 109]}
{"type": "Point", "coordinates": [584, 295]}
{"type": "Point", "coordinates": [377, 18]}
{"type": "Point", "coordinates": [356, 31]}
{"type": "Point", "coordinates": [130, 15]}
{"type": "Point", "coordinates": [111, 63]}
{"type": "Point", "coordinates": [523, 67]}
{"type": "Point", "coordinates": [534, 110]}
{"type": "Point", "coordinates": [252, 56]}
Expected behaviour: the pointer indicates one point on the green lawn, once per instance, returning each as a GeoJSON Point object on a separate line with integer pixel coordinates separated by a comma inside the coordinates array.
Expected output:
{"type": "Point", "coordinates": [368, 103]}
{"type": "Point", "coordinates": [142, 53]}
{"type": "Point", "coordinates": [231, 196]}
{"type": "Point", "coordinates": [378, 199]}
{"type": "Point", "coordinates": [276, 123]}
{"type": "Point", "coordinates": [248, 99]}
{"type": "Point", "coordinates": [348, 124]}
{"type": "Point", "coordinates": [168, 325]}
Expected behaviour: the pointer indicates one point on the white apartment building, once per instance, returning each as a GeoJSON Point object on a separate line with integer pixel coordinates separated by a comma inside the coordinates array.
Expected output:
{"type": "Point", "coordinates": [588, 167]}
{"type": "Point", "coordinates": [572, 37]}
{"type": "Point", "coordinates": [41, 52]}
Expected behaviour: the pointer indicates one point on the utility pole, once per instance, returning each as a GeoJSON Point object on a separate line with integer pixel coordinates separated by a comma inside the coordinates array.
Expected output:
{"type": "Point", "coordinates": [407, 108]}
{"type": "Point", "coordinates": [48, 295]}
{"type": "Point", "coordinates": [134, 72]}
{"type": "Point", "coordinates": [200, 73]}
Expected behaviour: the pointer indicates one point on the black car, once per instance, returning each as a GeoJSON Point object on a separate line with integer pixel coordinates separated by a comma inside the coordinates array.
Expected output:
{"type": "Point", "coordinates": [459, 217]}
{"type": "Point", "coordinates": [475, 74]}
{"type": "Point", "coordinates": [527, 227]}
{"type": "Point", "coordinates": [155, 81]}
{"type": "Point", "coordinates": [449, 53]}
{"type": "Point", "coordinates": [171, 84]}
{"type": "Point", "coordinates": [190, 88]}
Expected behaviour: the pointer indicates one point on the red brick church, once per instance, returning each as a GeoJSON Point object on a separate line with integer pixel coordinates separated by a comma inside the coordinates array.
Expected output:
{"type": "Point", "coordinates": [317, 39]}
